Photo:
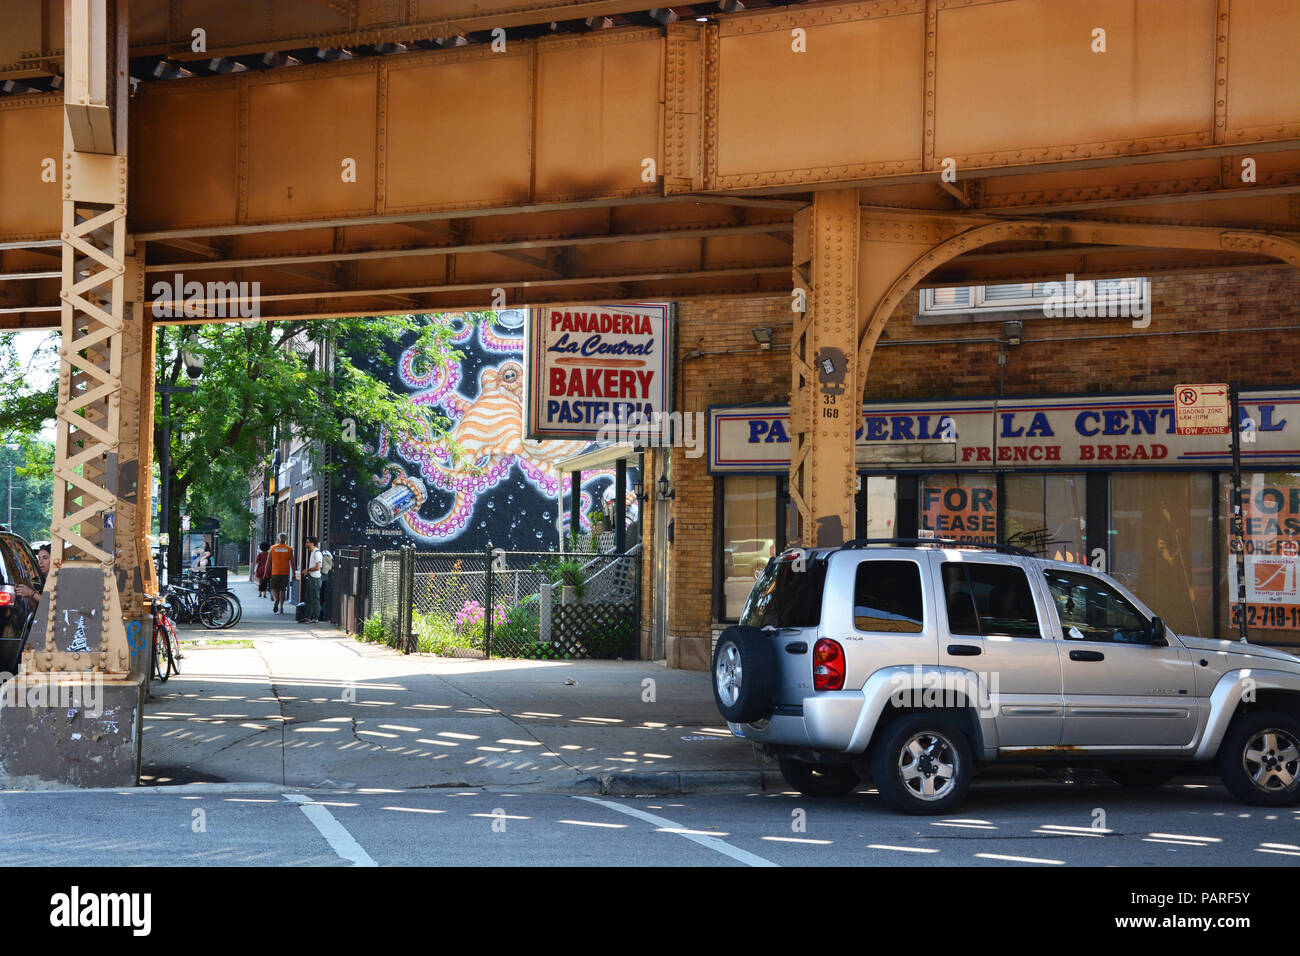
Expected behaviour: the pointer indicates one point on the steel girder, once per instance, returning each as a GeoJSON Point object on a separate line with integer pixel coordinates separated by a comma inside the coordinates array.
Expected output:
{"type": "Point", "coordinates": [630, 163]}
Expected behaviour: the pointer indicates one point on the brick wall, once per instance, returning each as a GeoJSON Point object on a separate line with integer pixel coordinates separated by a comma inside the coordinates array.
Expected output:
{"type": "Point", "coordinates": [718, 362]}
{"type": "Point", "coordinates": [1109, 355]}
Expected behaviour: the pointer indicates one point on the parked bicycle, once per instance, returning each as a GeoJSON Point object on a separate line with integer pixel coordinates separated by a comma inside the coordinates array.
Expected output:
{"type": "Point", "coordinates": [216, 584]}
{"type": "Point", "coordinates": [201, 604]}
{"type": "Point", "coordinates": [165, 648]}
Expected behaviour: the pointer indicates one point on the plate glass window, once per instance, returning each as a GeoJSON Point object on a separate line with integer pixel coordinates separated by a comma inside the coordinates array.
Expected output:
{"type": "Point", "coordinates": [749, 533]}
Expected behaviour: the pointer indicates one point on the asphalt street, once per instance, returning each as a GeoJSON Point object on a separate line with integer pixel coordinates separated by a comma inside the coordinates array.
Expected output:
{"type": "Point", "coordinates": [1005, 823]}
{"type": "Point", "coordinates": [284, 745]}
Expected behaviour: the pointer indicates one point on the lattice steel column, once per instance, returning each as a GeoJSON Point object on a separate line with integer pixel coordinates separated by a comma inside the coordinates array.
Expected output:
{"type": "Point", "coordinates": [824, 400]}
{"type": "Point", "coordinates": [79, 622]}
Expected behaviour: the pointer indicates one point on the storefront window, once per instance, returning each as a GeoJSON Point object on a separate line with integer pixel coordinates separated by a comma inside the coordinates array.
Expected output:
{"type": "Point", "coordinates": [1162, 545]}
{"type": "Point", "coordinates": [1271, 524]}
{"type": "Point", "coordinates": [882, 506]}
{"type": "Point", "coordinates": [1044, 514]}
{"type": "Point", "coordinates": [748, 537]}
{"type": "Point", "coordinates": [958, 506]}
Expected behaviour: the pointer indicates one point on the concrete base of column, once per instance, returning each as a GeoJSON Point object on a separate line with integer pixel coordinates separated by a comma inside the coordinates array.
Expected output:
{"type": "Point", "coordinates": [688, 653]}
{"type": "Point", "coordinates": [70, 731]}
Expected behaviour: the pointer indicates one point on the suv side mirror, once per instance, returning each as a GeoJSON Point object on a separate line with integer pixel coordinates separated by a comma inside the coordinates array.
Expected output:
{"type": "Point", "coordinates": [1156, 633]}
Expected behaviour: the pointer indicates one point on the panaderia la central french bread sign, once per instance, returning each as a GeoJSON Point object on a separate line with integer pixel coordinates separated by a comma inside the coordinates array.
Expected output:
{"type": "Point", "coordinates": [593, 366]}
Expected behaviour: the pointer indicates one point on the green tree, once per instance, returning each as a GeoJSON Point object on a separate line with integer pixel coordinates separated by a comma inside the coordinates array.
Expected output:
{"type": "Point", "coordinates": [259, 379]}
{"type": "Point", "coordinates": [28, 389]}
{"type": "Point", "coordinates": [265, 378]}
{"type": "Point", "coordinates": [25, 504]}
{"type": "Point", "coordinates": [27, 402]}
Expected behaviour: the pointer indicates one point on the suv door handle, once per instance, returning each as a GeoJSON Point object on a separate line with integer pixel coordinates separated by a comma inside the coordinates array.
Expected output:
{"type": "Point", "coordinates": [1087, 656]}
{"type": "Point", "coordinates": [964, 650]}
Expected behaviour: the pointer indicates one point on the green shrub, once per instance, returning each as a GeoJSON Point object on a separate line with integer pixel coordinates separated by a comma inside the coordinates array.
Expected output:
{"type": "Point", "coordinates": [439, 634]}
{"type": "Point", "coordinates": [517, 625]}
{"type": "Point", "coordinates": [372, 630]}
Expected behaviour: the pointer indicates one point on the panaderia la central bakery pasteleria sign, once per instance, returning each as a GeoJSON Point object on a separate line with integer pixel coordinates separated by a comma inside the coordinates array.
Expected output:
{"type": "Point", "coordinates": [594, 366]}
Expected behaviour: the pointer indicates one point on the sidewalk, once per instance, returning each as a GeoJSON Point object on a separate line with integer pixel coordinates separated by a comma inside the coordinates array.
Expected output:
{"type": "Point", "coordinates": [309, 707]}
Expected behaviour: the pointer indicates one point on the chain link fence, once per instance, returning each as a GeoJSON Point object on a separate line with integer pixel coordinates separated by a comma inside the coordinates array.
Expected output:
{"type": "Point", "coordinates": [539, 605]}
{"type": "Point", "coordinates": [390, 604]}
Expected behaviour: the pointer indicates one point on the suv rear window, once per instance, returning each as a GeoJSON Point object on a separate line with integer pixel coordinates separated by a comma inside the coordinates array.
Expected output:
{"type": "Point", "coordinates": [887, 597]}
{"type": "Point", "coordinates": [984, 598]}
{"type": "Point", "coordinates": [783, 597]}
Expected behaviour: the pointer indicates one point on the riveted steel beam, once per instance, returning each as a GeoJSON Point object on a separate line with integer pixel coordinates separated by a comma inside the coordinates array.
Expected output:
{"type": "Point", "coordinates": [824, 398]}
{"type": "Point", "coordinates": [79, 623]}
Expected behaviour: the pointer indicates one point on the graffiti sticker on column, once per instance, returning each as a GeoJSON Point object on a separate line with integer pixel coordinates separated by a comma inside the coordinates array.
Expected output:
{"type": "Point", "coordinates": [594, 365]}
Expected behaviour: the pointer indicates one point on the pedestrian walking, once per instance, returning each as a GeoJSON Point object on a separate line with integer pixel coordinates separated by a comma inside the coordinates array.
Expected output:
{"type": "Point", "coordinates": [281, 570]}
{"type": "Point", "coordinates": [326, 583]}
{"type": "Point", "coordinates": [311, 575]}
{"type": "Point", "coordinates": [262, 569]}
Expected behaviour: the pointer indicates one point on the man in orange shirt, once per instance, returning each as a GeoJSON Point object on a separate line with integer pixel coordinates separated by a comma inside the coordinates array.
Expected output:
{"type": "Point", "coordinates": [281, 570]}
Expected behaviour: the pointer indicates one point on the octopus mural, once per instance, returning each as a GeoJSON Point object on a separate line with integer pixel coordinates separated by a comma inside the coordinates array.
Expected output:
{"type": "Point", "coordinates": [433, 486]}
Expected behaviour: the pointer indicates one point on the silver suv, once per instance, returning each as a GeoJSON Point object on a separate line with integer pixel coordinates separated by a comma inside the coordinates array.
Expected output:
{"type": "Point", "coordinates": [914, 662]}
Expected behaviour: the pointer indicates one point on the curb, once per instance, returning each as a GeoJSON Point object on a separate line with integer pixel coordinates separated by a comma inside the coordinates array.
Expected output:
{"type": "Point", "coordinates": [215, 789]}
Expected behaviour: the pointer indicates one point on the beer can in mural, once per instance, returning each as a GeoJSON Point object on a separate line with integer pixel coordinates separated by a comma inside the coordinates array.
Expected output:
{"type": "Point", "coordinates": [406, 494]}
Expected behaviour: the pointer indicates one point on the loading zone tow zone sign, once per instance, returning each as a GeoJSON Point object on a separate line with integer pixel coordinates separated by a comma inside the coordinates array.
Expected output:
{"type": "Point", "coordinates": [593, 366]}
{"type": "Point", "coordinates": [1201, 409]}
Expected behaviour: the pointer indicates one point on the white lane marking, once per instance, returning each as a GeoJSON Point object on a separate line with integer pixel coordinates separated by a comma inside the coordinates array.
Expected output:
{"type": "Point", "coordinates": [712, 843]}
{"type": "Point", "coordinates": [339, 839]}
{"type": "Point", "coordinates": [1019, 859]}
{"type": "Point", "coordinates": [901, 849]}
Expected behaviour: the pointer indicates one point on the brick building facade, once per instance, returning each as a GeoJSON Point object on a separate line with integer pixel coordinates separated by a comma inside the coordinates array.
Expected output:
{"type": "Point", "coordinates": [1204, 328]}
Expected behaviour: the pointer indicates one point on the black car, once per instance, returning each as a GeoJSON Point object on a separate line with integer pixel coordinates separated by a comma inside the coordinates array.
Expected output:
{"type": "Point", "coordinates": [17, 566]}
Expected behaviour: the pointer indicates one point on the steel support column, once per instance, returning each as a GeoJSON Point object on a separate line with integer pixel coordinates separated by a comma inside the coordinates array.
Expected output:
{"type": "Point", "coordinates": [79, 636]}
{"type": "Point", "coordinates": [91, 634]}
{"type": "Point", "coordinates": [823, 357]}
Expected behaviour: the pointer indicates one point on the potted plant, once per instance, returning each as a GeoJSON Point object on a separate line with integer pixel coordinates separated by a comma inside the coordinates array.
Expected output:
{"type": "Point", "coordinates": [570, 578]}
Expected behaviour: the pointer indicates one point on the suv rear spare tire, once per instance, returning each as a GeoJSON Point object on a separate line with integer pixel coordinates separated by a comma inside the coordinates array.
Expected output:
{"type": "Point", "coordinates": [744, 674]}
{"type": "Point", "coordinates": [922, 763]}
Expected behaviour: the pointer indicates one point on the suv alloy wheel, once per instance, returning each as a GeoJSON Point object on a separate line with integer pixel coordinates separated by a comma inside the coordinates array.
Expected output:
{"type": "Point", "coordinates": [1259, 760]}
{"type": "Point", "coordinates": [922, 764]}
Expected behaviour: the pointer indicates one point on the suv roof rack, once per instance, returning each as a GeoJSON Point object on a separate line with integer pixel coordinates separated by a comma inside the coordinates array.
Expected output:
{"type": "Point", "coordinates": [937, 542]}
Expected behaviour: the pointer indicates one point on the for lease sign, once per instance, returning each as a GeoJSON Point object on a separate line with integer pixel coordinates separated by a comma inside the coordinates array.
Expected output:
{"type": "Point", "coordinates": [593, 366]}
{"type": "Point", "coordinates": [1271, 522]}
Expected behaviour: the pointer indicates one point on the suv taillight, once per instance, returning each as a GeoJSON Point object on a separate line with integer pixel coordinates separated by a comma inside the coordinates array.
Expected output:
{"type": "Point", "coordinates": [7, 595]}
{"type": "Point", "coordinates": [828, 665]}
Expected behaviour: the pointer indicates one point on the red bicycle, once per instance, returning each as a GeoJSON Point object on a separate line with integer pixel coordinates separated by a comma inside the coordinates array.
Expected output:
{"type": "Point", "coordinates": [166, 646]}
